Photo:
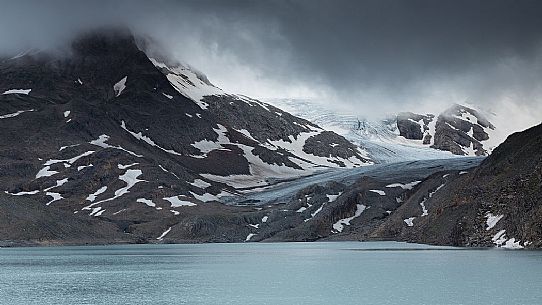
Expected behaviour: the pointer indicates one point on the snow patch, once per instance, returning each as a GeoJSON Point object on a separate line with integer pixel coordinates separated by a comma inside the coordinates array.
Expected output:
{"type": "Point", "coordinates": [422, 203]}
{"type": "Point", "coordinates": [331, 197]}
{"type": "Point", "coordinates": [104, 138]}
{"type": "Point", "coordinates": [467, 116]}
{"type": "Point", "coordinates": [499, 238]}
{"type": "Point", "coordinates": [96, 211]}
{"type": "Point", "coordinates": [406, 186]}
{"type": "Point", "coordinates": [45, 172]}
{"type": "Point", "coordinates": [501, 241]}
{"type": "Point", "coordinates": [12, 115]}
{"type": "Point", "coordinates": [121, 166]}
{"type": "Point", "coordinates": [206, 146]}
{"type": "Point", "coordinates": [188, 83]}
{"type": "Point", "coordinates": [176, 202]}
{"type": "Point", "coordinates": [301, 210]}
{"type": "Point", "coordinates": [56, 197]}
{"type": "Point", "coordinates": [17, 91]}
{"type": "Point", "coordinates": [131, 179]}
{"type": "Point", "coordinates": [117, 212]}
{"type": "Point", "coordinates": [23, 193]}
{"type": "Point", "coordinates": [147, 202]}
{"type": "Point", "coordinates": [339, 225]}
{"type": "Point", "coordinates": [249, 236]}
{"type": "Point", "coordinates": [80, 168]}
{"type": "Point", "coordinates": [469, 151]}
{"type": "Point", "coordinates": [165, 170]}
{"type": "Point", "coordinates": [67, 146]}
{"type": "Point", "coordinates": [492, 220]}
{"type": "Point", "coordinates": [58, 184]}
{"type": "Point", "coordinates": [120, 86]}
{"type": "Point", "coordinates": [205, 197]}
{"type": "Point", "coordinates": [379, 192]}
{"type": "Point", "coordinates": [200, 184]}
{"type": "Point", "coordinates": [424, 209]}
{"type": "Point", "coordinates": [409, 221]}
{"type": "Point", "coordinates": [93, 196]}
{"type": "Point", "coordinates": [164, 234]}
{"type": "Point", "coordinates": [69, 161]}
{"type": "Point", "coordinates": [247, 134]}
{"type": "Point", "coordinates": [512, 244]}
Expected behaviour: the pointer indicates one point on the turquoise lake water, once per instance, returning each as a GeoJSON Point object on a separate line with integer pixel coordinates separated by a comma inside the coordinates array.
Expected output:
{"type": "Point", "coordinates": [275, 273]}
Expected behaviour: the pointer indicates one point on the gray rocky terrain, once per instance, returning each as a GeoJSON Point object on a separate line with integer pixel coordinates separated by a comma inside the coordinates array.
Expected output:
{"type": "Point", "coordinates": [460, 130]}
{"type": "Point", "coordinates": [122, 146]}
{"type": "Point", "coordinates": [494, 204]}
{"type": "Point", "coordinates": [457, 131]}
{"type": "Point", "coordinates": [112, 143]}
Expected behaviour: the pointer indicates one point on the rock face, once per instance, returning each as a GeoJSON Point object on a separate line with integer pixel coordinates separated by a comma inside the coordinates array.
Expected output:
{"type": "Point", "coordinates": [113, 144]}
{"type": "Point", "coordinates": [459, 129]}
{"type": "Point", "coordinates": [495, 204]}
{"type": "Point", "coordinates": [350, 209]}
{"type": "Point", "coordinates": [406, 136]}
{"type": "Point", "coordinates": [115, 141]}
{"type": "Point", "coordinates": [414, 126]}
{"type": "Point", "coordinates": [498, 203]}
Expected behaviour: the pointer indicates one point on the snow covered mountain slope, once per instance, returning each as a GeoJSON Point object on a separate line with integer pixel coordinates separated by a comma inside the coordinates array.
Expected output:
{"type": "Point", "coordinates": [109, 132]}
{"type": "Point", "coordinates": [113, 144]}
{"type": "Point", "coordinates": [496, 204]}
{"type": "Point", "coordinates": [457, 131]}
{"type": "Point", "coordinates": [468, 201]}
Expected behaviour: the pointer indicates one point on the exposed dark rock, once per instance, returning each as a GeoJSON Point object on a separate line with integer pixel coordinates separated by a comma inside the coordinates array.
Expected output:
{"type": "Point", "coordinates": [507, 183]}
{"type": "Point", "coordinates": [107, 115]}
{"type": "Point", "coordinates": [461, 129]}
{"type": "Point", "coordinates": [413, 126]}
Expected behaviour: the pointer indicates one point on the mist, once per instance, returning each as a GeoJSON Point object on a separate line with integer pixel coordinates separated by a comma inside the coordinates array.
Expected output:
{"type": "Point", "coordinates": [367, 57]}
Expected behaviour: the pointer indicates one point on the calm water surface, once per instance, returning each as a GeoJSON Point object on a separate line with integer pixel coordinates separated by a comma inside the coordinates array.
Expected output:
{"type": "Point", "coordinates": [278, 273]}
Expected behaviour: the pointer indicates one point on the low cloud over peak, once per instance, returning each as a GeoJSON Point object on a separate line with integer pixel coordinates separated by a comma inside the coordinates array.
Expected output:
{"type": "Point", "coordinates": [371, 57]}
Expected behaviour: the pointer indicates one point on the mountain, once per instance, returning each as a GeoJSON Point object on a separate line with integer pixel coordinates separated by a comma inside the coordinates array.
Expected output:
{"type": "Point", "coordinates": [457, 131]}
{"type": "Point", "coordinates": [123, 145]}
{"type": "Point", "coordinates": [491, 202]}
{"type": "Point", "coordinates": [460, 130]}
{"type": "Point", "coordinates": [498, 203]}
{"type": "Point", "coordinates": [113, 143]}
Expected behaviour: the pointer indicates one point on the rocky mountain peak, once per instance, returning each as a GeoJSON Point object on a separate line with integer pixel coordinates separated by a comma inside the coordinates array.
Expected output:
{"type": "Point", "coordinates": [468, 114]}
{"type": "Point", "coordinates": [115, 134]}
{"type": "Point", "coordinates": [459, 129]}
{"type": "Point", "coordinates": [105, 42]}
{"type": "Point", "coordinates": [415, 126]}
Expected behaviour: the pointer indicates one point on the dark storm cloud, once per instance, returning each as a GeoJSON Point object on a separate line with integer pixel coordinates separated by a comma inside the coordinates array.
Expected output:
{"type": "Point", "coordinates": [383, 54]}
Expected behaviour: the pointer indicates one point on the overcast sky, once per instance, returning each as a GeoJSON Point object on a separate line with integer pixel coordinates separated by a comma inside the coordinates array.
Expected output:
{"type": "Point", "coordinates": [368, 57]}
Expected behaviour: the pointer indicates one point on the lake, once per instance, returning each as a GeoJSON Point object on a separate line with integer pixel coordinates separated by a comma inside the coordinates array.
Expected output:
{"type": "Point", "coordinates": [270, 273]}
